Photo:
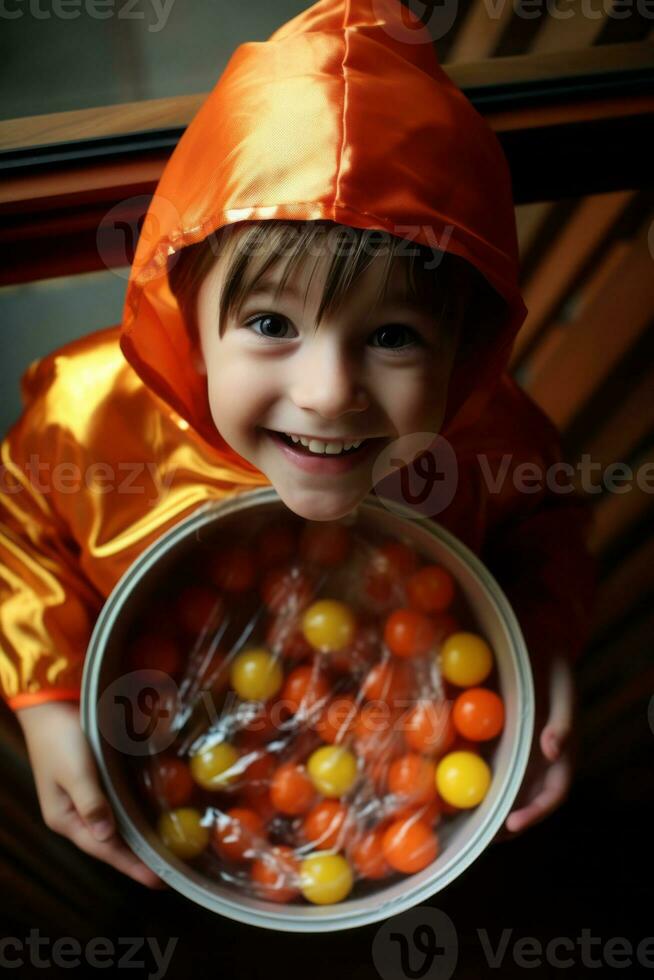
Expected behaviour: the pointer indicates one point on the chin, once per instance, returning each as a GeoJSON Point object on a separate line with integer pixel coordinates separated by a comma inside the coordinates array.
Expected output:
{"type": "Point", "coordinates": [320, 506]}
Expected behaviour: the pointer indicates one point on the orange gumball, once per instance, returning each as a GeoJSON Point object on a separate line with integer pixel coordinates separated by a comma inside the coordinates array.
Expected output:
{"type": "Point", "coordinates": [367, 855]}
{"type": "Point", "coordinates": [337, 719]}
{"type": "Point", "coordinates": [233, 569]}
{"type": "Point", "coordinates": [428, 727]}
{"type": "Point", "coordinates": [284, 637]}
{"type": "Point", "coordinates": [275, 874]}
{"type": "Point", "coordinates": [408, 633]}
{"type": "Point", "coordinates": [156, 651]}
{"type": "Point", "coordinates": [304, 688]}
{"type": "Point", "coordinates": [287, 589]}
{"type": "Point", "coordinates": [325, 543]}
{"type": "Point", "coordinates": [168, 781]}
{"type": "Point", "coordinates": [198, 606]}
{"type": "Point", "coordinates": [324, 824]}
{"type": "Point", "coordinates": [237, 833]}
{"type": "Point", "coordinates": [409, 845]}
{"type": "Point", "coordinates": [413, 777]}
{"type": "Point", "coordinates": [390, 681]}
{"type": "Point", "coordinates": [291, 789]}
{"type": "Point", "coordinates": [275, 544]}
{"type": "Point", "coordinates": [385, 569]}
{"type": "Point", "coordinates": [429, 813]}
{"type": "Point", "coordinates": [430, 589]}
{"type": "Point", "coordinates": [478, 714]}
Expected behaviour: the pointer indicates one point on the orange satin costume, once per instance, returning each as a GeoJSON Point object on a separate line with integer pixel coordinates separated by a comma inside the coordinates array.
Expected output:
{"type": "Point", "coordinates": [342, 114]}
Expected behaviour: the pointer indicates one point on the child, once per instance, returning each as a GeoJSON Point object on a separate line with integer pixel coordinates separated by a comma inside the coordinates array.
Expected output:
{"type": "Point", "coordinates": [340, 129]}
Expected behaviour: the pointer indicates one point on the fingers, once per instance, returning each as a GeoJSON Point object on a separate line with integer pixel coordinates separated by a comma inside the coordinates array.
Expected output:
{"type": "Point", "coordinates": [555, 787]}
{"type": "Point", "coordinates": [114, 852]}
{"type": "Point", "coordinates": [561, 701]}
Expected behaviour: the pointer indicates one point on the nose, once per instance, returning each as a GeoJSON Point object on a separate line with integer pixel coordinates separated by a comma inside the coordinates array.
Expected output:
{"type": "Point", "coordinates": [327, 382]}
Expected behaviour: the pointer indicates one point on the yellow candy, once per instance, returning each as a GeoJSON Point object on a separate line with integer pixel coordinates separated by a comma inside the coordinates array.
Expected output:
{"type": "Point", "coordinates": [256, 675]}
{"type": "Point", "coordinates": [329, 625]}
{"type": "Point", "coordinates": [462, 779]}
{"type": "Point", "coordinates": [325, 878]}
{"type": "Point", "coordinates": [332, 770]}
{"type": "Point", "coordinates": [181, 832]}
{"type": "Point", "coordinates": [211, 766]}
{"type": "Point", "coordinates": [465, 659]}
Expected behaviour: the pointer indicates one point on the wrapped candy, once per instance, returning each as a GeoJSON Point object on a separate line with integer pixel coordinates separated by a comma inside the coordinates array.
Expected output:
{"type": "Point", "coordinates": [335, 708]}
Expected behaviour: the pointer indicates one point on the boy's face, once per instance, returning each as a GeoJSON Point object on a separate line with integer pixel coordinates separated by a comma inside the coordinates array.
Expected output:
{"type": "Point", "coordinates": [273, 372]}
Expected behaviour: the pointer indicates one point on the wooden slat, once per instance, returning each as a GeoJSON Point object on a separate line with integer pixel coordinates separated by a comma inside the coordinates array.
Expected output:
{"type": "Point", "coordinates": [479, 35]}
{"type": "Point", "coordinates": [111, 120]}
{"type": "Point", "coordinates": [550, 281]}
{"type": "Point", "coordinates": [529, 219]}
{"type": "Point", "coordinates": [149, 114]}
{"type": "Point", "coordinates": [616, 512]}
{"type": "Point", "coordinates": [599, 337]}
{"type": "Point", "coordinates": [624, 587]}
{"type": "Point", "coordinates": [575, 30]}
{"type": "Point", "coordinates": [627, 424]}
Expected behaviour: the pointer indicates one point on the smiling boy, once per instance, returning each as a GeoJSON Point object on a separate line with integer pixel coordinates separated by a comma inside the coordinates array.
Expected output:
{"type": "Point", "coordinates": [344, 123]}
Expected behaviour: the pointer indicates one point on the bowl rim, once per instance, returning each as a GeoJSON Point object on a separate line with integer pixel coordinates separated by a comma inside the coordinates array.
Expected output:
{"type": "Point", "coordinates": [325, 918]}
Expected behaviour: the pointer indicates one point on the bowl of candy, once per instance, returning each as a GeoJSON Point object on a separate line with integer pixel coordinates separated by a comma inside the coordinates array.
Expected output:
{"type": "Point", "coordinates": [308, 726]}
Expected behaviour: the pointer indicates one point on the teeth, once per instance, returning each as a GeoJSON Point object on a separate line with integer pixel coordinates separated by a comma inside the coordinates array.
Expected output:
{"type": "Point", "coordinates": [324, 448]}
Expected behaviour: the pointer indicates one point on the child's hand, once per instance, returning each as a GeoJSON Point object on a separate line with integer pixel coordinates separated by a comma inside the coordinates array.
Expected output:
{"type": "Point", "coordinates": [549, 770]}
{"type": "Point", "coordinates": [68, 786]}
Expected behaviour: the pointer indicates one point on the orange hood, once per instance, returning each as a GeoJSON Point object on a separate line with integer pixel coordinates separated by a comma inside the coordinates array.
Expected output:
{"type": "Point", "coordinates": [342, 114]}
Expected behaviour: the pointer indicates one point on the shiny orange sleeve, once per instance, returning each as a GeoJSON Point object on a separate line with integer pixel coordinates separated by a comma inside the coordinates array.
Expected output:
{"type": "Point", "coordinates": [47, 605]}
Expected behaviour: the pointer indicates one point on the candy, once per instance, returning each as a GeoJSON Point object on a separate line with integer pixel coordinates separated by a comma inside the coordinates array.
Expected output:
{"type": "Point", "coordinates": [324, 824]}
{"type": "Point", "coordinates": [291, 789]}
{"type": "Point", "coordinates": [276, 874]}
{"type": "Point", "coordinates": [478, 714]}
{"type": "Point", "coordinates": [256, 675]}
{"type": "Point", "coordinates": [333, 770]}
{"type": "Point", "coordinates": [233, 569]}
{"type": "Point", "coordinates": [325, 878]}
{"type": "Point", "coordinates": [430, 589]}
{"type": "Point", "coordinates": [465, 659]}
{"type": "Point", "coordinates": [213, 768]}
{"type": "Point", "coordinates": [236, 833]}
{"type": "Point", "coordinates": [462, 779]}
{"type": "Point", "coordinates": [409, 845]}
{"type": "Point", "coordinates": [328, 625]}
{"type": "Point", "coordinates": [182, 832]}
{"type": "Point", "coordinates": [345, 712]}
{"type": "Point", "coordinates": [409, 633]}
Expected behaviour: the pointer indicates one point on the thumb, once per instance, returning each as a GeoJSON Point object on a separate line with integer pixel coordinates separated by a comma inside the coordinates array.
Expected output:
{"type": "Point", "coordinates": [93, 807]}
{"type": "Point", "coordinates": [561, 697]}
{"type": "Point", "coordinates": [89, 800]}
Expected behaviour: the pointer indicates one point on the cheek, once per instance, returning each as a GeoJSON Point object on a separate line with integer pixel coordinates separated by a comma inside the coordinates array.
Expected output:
{"type": "Point", "coordinates": [417, 401]}
{"type": "Point", "coordinates": [240, 392]}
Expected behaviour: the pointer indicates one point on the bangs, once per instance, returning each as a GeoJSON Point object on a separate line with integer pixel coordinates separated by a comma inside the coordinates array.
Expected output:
{"type": "Point", "coordinates": [438, 281]}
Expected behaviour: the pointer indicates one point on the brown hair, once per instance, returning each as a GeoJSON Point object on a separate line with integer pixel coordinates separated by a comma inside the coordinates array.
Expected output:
{"type": "Point", "coordinates": [460, 295]}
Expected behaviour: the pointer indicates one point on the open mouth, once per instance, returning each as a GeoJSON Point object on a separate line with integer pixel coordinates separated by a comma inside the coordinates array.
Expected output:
{"type": "Point", "coordinates": [298, 447]}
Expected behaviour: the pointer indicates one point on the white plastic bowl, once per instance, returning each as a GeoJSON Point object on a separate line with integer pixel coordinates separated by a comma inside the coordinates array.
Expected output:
{"type": "Point", "coordinates": [461, 839]}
